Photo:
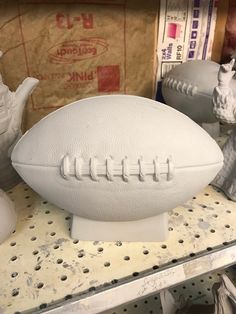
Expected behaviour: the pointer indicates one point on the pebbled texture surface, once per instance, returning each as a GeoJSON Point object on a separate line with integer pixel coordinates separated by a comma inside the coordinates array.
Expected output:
{"type": "Point", "coordinates": [188, 89]}
{"type": "Point", "coordinates": [132, 131]}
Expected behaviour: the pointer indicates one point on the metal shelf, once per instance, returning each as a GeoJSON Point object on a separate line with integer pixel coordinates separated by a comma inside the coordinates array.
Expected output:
{"type": "Point", "coordinates": [43, 269]}
{"type": "Point", "coordinates": [197, 291]}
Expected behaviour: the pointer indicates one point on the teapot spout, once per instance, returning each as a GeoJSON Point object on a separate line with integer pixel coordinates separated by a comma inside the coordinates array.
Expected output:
{"type": "Point", "coordinates": [25, 89]}
{"type": "Point", "coordinates": [21, 95]}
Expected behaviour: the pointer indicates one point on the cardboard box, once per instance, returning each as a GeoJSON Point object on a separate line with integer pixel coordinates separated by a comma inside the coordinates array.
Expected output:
{"type": "Point", "coordinates": [78, 49]}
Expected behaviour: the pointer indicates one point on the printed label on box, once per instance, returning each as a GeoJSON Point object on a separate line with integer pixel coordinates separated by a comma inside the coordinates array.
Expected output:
{"type": "Point", "coordinates": [78, 49]}
{"type": "Point", "coordinates": [76, 53]}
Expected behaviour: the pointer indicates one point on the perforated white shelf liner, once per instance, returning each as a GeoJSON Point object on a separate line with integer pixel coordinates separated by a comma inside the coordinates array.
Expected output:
{"type": "Point", "coordinates": [40, 263]}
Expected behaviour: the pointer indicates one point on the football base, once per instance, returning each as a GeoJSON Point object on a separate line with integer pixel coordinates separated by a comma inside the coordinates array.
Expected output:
{"type": "Point", "coordinates": [144, 230]}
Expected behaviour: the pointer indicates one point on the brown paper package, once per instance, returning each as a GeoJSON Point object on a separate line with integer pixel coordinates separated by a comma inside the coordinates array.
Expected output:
{"type": "Point", "coordinates": [78, 49]}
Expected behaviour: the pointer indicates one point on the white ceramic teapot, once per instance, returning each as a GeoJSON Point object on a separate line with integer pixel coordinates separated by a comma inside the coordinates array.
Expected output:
{"type": "Point", "coordinates": [11, 110]}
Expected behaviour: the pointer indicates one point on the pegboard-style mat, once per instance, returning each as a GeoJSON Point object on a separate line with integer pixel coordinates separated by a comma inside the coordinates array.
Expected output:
{"type": "Point", "coordinates": [40, 263]}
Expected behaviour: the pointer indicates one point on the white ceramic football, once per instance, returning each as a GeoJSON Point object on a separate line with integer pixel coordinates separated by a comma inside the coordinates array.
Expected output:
{"type": "Point", "coordinates": [118, 163]}
{"type": "Point", "coordinates": [189, 88]}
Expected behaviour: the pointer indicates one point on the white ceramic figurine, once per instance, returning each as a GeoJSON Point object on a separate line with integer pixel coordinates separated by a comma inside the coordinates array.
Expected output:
{"type": "Point", "coordinates": [225, 110]}
{"type": "Point", "coordinates": [206, 91]}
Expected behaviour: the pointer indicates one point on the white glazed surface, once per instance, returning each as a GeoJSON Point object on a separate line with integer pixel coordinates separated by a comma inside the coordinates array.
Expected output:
{"type": "Point", "coordinates": [117, 158]}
